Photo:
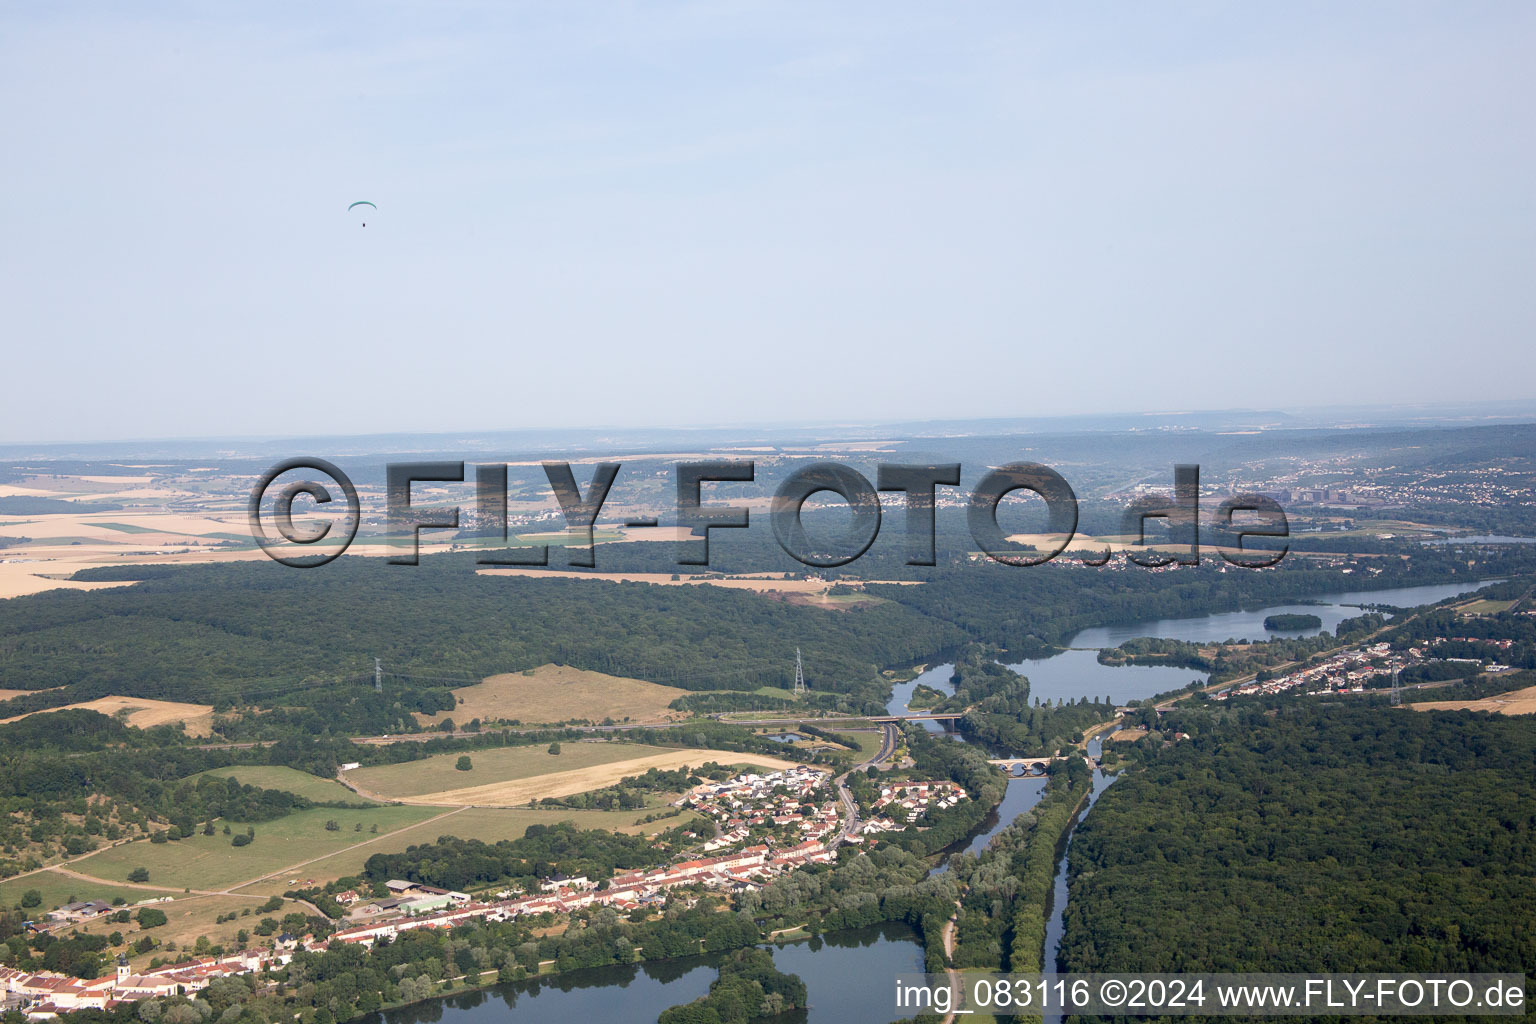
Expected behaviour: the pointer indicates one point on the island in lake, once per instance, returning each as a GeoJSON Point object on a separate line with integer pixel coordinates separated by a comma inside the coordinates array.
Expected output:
{"type": "Point", "coordinates": [1290, 623]}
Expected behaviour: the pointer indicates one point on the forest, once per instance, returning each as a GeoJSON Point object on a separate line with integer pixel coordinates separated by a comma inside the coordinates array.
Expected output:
{"type": "Point", "coordinates": [301, 644]}
{"type": "Point", "coordinates": [1299, 837]}
{"type": "Point", "coordinates": [453, 863]}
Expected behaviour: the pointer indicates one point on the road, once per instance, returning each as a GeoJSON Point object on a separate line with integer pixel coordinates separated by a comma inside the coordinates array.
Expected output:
{"type": "Point", "coordinates": [888, 739]}
{"type": "Point", "coordinates": [955, 991]}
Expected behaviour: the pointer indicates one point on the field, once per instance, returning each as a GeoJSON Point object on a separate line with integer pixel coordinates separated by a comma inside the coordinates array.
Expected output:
{"type": "Point", "coordinates": [289, 780]}
{"type": "Point", "coordinates": [1484, 607]}
{"type": "Point", "coordinates": [1518, 702]}
{"type": "Point", "coordinates": [556, 693]}
{"type": "Point", "coordinates": [865, 744]}
{"type": "Point", "coordinates": [511, 793]}
{"type": "Point", "coordinates": [499, 764]}
{"type": "Point", "coordinates": [488, 824]}
{"type": "Point", "coordinates": [187, 917]}
{"type": "Point", "coordinates": [190, 917]}
{"type": "Point", "coordinates": [210, 862]}
{"type": "Point", "coordinates": [509, 776]}
{"type": "Point", "coordinates": [58, 889]}
{"type": "Point", "coordinates": [144, 713]}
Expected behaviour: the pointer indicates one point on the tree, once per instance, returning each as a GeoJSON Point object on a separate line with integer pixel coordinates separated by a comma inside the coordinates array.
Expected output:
{"type": "Point", "coordinates": [554, 748]}
{"type": "Point", "coordinates": [139, 875]}
{"type": "Point", "coordinates": [463, 764]}
{"type": "Point", "coordinates": [332, 825]}
{"type": "Point", "coordinates": [150, 917]}
{"type": "Point", "coordinates": [32, 898]}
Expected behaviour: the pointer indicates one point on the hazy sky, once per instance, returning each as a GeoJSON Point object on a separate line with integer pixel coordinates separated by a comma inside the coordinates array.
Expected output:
{"type": "Point", "coordinates": [618, 214]}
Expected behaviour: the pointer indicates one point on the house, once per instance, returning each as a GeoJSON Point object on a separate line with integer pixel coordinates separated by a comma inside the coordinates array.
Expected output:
{"type": "Point", "coordinates": [83, 911]}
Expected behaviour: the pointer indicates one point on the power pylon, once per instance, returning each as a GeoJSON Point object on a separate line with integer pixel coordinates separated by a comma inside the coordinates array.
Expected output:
{"type": "Point", "coordinates": [799, 673]}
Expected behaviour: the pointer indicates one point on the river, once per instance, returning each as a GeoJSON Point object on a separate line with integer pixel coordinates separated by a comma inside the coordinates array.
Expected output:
{"type": "Point", "coordinates": [1055, 925]}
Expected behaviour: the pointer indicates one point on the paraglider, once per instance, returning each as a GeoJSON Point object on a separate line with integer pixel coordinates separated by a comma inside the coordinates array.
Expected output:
{"type": "Point", "coordinates": [362, 202]}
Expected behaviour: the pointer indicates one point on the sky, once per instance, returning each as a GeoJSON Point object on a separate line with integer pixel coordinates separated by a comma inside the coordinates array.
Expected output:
{"type": "Point", "coordinates": [612, 214]}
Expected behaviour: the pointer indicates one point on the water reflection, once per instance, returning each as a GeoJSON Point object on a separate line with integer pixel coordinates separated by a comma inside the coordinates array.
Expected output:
{"type": "Point", "coordinates": [847, 976]}
{"type": "Point", "coordinates": [1331, 608]}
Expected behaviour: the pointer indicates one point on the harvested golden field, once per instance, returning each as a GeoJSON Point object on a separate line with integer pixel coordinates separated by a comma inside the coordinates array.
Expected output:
{"type": "Point", "coordinates": [496, 764]}
{"type": "Point", "coordinates": [8, 694]}
{"type": "Point", "coordinates": [1127, 735]}
{"type": "Point", "coordinates": [557, 693]}
{"type": "Point", "coordinates": [1516, 702]}
{"type": "Point", "coordinates": [143, 713]}
{"type": "Point", "coordinates": [512, 792]}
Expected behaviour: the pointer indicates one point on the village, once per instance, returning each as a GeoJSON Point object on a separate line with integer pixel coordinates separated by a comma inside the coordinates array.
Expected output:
{"type": "Point", "coordinates": [1348, 671]}
{"type": "Point", "coordinates": [780, 810]}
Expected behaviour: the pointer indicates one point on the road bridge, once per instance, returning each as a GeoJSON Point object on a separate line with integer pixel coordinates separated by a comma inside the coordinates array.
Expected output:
{"type": "Point", "coordinates": [1020, 767]}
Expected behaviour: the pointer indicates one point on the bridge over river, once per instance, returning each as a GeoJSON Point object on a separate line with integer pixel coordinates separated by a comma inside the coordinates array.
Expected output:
{"type": "Point", "coordinates": [1020, 767]}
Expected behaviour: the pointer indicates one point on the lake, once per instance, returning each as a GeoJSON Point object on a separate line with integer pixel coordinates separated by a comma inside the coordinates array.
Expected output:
{"type": "Point", "coordinates": [1331, 608]}
{"type": "Point", "coordinates": [847, 977]}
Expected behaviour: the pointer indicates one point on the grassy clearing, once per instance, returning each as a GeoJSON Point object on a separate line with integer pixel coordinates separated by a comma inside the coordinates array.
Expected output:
{"type": "Point", "coordinates": [289, 780]}
{"type": "Point", "coordinates": [838, 602]}
{"type": "Point", "coordinates": [210, 862]}
{"type": "Point", "coordinates": [1485, 607]}
{"type": "Point", "coordinates": [865, 744]}
{"type": "Point", "coordinates": [765, 691]}
{"type": "Point", "coordinates": [488, 824]}
{"type": "Point", "coordinates": [59, 889]}
{"type": "Point", "coordinates": [501, 764]}
{"type": "Point", "coordinates": [558, 693]}
{"type": "Point", "coordinates": [188, 918]}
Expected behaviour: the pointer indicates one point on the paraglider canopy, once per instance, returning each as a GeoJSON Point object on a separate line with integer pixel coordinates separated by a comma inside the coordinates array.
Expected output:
{"type": "Point", "coordinates": [362, 202]}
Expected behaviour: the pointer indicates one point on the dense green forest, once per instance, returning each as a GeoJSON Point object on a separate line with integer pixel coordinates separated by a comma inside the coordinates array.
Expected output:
{"type": "Point", "coordinates": [454, 863]}
{"type": "Point", "coordinates": [244, 633]}
{"type": "Point", "coordinates": [1301, 837]}
{"type": "Point", "coordinates": [1291, 622]}
{"type": "Point", "coordinates": [301, 643]}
